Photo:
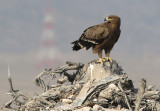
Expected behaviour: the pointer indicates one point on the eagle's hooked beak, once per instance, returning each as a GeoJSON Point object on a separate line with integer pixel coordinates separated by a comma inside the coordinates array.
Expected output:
{"type": "Point", "coordinates": [106, 19]}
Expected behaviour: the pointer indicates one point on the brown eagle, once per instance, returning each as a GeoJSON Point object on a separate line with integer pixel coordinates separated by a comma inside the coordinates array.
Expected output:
{"type": "Point", "coordinates": [99, 37]}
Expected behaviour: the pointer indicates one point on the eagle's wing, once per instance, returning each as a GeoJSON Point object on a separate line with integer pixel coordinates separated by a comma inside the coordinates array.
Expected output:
{"type": "Point", "coordinates": [92, 36]}
{"type": "Point", "coordinates": [95, 34]}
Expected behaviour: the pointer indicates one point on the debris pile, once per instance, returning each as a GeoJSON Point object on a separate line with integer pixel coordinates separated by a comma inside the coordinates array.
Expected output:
{"type": "Point", "coordinates": [86, 87]}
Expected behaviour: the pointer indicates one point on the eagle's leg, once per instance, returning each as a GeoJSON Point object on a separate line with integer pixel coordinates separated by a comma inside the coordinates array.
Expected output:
{"type": "Point", "coordinates": [100, 57]}
{"type": "Point", "coordinates": [107, 53]}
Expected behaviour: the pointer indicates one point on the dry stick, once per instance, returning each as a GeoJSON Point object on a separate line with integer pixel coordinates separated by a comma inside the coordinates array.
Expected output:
{"type": "Point", "coordinates": [14, 93]}
{"type": "Point", "coordinates": [8, 104]}
{"type": "Point", "coordinates": [9, 79]}
{"type": "Point", "coordinates": [40, 82]}
{"type": "Point", "coordinates": [141, 91]}
{"type": "Point", "coordinates": [45, 101]}
{"type": "Point", "coordinates": [69, 66]}
{"type": "Point", "coordinates": [61, 70]}
{"type": "Point", "coordinates": [120, 87]}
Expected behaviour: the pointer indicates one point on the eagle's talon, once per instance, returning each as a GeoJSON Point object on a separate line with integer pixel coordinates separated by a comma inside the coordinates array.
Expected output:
{"type": "Point", "coordinates": [109, 59]}
{"type": "Point", "coordinates": [101, 60]}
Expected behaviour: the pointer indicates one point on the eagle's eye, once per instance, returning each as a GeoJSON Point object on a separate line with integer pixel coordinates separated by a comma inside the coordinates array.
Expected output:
{"type": "Point", "coordinates": [110, 17]}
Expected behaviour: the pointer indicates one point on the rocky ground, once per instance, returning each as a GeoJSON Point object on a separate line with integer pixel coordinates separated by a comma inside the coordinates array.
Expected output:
{"type": "Point", "coordinates": [86, 87]}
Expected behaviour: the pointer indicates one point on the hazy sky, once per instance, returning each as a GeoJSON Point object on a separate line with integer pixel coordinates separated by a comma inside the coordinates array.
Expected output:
{"type": "Point", "coordinates": [21, 27]}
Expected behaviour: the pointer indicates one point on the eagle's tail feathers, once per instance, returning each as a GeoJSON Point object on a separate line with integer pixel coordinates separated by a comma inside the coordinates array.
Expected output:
{"type": "Point", "coordinates": [79, 44]}
{"type": "Point", "coordinates": [76, 46]}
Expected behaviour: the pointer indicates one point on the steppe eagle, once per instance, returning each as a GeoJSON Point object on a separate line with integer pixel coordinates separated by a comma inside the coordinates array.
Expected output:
{"type": "Point", "coordinates": [99, 37]}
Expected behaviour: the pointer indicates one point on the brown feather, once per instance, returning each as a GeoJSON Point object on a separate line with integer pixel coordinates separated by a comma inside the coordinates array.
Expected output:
{"type": "Point", "coordinates": [99, 37]}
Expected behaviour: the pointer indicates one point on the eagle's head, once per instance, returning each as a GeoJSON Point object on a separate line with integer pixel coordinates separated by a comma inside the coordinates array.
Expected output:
{"type": "Point", "coordinates": [112, 18]}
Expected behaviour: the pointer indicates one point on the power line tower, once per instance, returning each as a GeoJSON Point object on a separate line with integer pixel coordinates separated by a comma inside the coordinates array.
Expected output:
{"type": "Point", "coordinates": [47, 52]}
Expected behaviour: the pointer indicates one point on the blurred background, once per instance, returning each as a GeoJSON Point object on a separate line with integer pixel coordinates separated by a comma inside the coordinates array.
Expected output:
{"type": "Point", "coordinates": [36, 34]}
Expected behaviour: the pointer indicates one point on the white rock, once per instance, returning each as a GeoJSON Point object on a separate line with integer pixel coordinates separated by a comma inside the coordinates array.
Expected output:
{"type": "Point", "coordinates": [68, 101]}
